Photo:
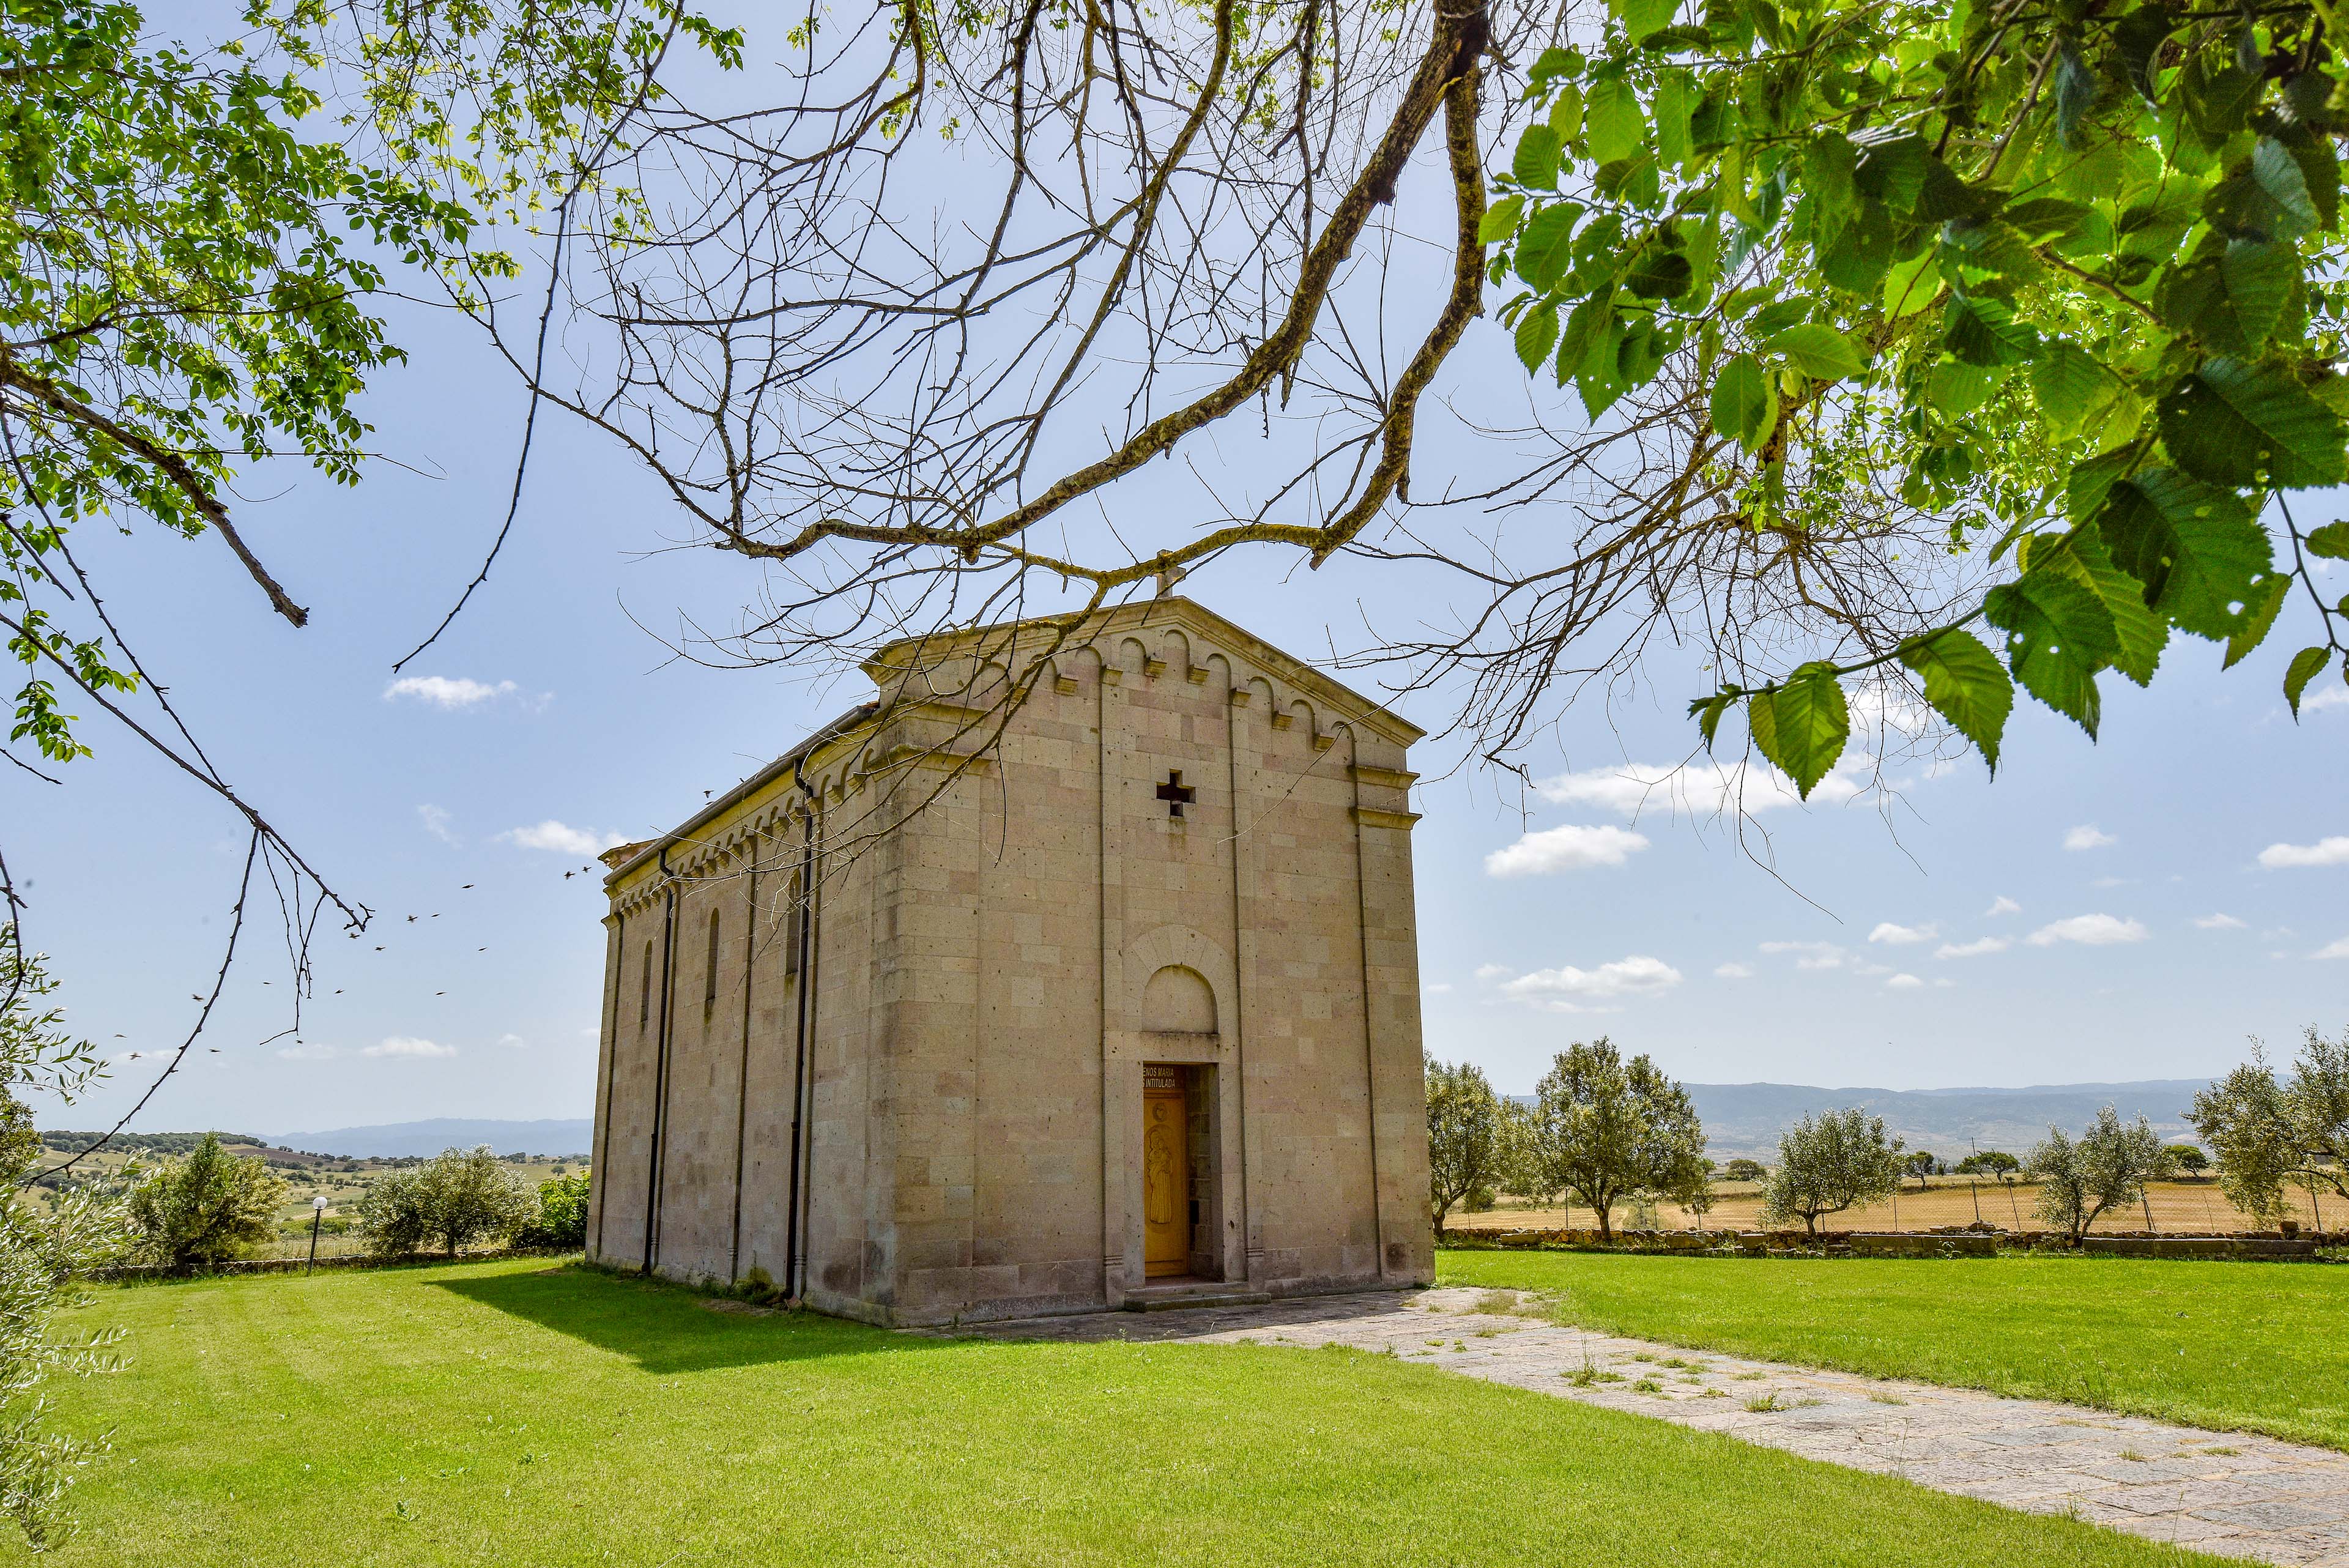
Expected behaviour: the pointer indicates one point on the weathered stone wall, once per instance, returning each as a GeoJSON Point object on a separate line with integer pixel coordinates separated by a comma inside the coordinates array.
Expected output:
{"type": "Point", "coordinates": [985, 939]}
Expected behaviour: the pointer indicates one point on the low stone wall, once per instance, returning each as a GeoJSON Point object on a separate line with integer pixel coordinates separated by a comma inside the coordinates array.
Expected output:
{"type": "Point", "coordinates": [341, 1260]}
{"type": "Point", "coordinates": [1966, 1243]}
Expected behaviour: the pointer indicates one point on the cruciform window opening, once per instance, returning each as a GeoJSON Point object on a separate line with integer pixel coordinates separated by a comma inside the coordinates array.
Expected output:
{"type": "Point", "coordinates": [1176, 793]}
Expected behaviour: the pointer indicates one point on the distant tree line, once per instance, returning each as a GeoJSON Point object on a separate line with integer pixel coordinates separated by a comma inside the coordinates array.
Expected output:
{"type": "Point", "coordinates": [1603, 1131]}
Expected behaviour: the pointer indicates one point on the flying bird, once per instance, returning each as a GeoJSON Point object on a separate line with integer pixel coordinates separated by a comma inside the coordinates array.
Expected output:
{"type": "Point", "coordinates": [465, 887]}
{"type": "Point", "coordinates": [411, 920]}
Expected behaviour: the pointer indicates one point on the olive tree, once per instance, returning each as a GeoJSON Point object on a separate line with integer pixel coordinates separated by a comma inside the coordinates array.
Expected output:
{"type": "Point", "coordinates": [2267, 1133]}
{"type": "Point", "coordinates": [2105, 1167]}
{"type": "Point", "coordinates": [1829, 1163]}
{"type": "Point", "coordinates": [46, 1257]}
{"type": "Point", "coordinates": [1464, 1134]}
{"type": "Point", "coordinates": [456, 1198]}
{"type": "Point", "coordinates": [1606, 1130]}
{"type": "Point", "coordinates": [207, 1209]}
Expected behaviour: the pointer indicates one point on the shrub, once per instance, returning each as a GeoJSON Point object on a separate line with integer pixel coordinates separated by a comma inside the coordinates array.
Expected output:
{"type": "Point", "coordinates": [1744, 1171]}
{"type": "Point", "coordinates": [562, 1214]}
{"type": "Point", "coordinates": [206, 1208]}
{"type": "Point", "coordinates": [2188, 1157]}
{"type": "Point", "coordinates": [451, 1201]}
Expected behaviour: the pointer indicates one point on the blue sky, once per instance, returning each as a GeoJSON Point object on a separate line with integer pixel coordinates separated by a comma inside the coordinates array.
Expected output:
{"type": "Point", "coordinates": [2130, 910]}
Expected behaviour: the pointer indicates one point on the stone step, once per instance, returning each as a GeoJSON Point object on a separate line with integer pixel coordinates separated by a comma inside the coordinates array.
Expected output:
{"type": "Point", "coordinates": [1149, 1300]}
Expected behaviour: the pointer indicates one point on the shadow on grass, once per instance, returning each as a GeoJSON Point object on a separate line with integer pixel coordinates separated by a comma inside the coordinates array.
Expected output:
{"type": "Point", "coordinates": [665, 1328]}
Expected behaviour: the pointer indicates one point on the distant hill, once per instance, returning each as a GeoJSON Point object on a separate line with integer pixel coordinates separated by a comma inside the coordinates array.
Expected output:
{"type": "Point", "coordinates": [1746, 1119]}
{"type": "Point", "coordinates": [562, 1135]}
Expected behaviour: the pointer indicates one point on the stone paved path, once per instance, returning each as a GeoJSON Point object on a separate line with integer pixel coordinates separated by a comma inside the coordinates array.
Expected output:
{"type": "Point", "coordinates": [2231, 1494]}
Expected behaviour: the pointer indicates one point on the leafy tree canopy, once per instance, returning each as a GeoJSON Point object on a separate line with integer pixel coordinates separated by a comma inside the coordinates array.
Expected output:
{"type": "Point", "coordinates": [2065, 279]}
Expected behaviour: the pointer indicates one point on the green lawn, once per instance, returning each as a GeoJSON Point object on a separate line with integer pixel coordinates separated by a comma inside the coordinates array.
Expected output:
{"type": "Point", "coordinates": [512, 1414]}
{"type": "Point", "coordinates": [2252, 1346]}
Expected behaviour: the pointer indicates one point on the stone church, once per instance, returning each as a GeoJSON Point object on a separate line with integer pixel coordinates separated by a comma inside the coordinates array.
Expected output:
{"type": "Point", "coordinates": [1075, 970]}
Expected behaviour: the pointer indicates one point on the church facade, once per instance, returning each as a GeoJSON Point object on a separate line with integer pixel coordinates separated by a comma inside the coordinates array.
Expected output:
{"type": "Point", "coordinates": [1078, 968]}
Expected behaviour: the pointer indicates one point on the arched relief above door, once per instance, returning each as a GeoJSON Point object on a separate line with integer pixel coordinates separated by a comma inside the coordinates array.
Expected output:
{"type": "Point", "coordinates": [1178, 1000]}
{"type": "Point", "coordinates": [1184, 974]}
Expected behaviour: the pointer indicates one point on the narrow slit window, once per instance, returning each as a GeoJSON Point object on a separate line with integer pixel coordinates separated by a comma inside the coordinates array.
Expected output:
{"type": "Point", "coordinates": [709, 969]}
{"type": "Point", "coordinates": [645, 992]}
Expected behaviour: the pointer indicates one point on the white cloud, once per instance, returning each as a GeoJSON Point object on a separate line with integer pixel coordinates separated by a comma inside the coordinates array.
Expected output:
{"type": "Point", "coordinates": [2330, 696]}
{"type": "Point", "coordinates": [2339, 949]}
{"type": "Point", "coordinates": [2093, 930]}
{"type": "Point", "coordinates": [1566, 848]}
{"type": "Point", "coordinates": [1700, 789]}
{"type": "Point", "coordinates": [2002, 904]}
{"type": "Point", "coordinates": [515, 1041]}
{"type": "Point", "coordinates": [2088, 835]}
{"type": "Point", "coordinates": [1558, 989]}
{"type": "Point", "coordinates": [1735, 972]}
{"type": "Point", "coordinates": [2333, 851]}
{"type": "Point", "coordinates": [553, 834]}
{"type": "Point", "coordinates": [1973, 949]}
{"type": "Point", "coordinates": [2219, 922]}
{"type": "Point", "coordinates": [406, 1046]}
{"type": "Point", "coordinates": [1900, 936]}
{"type": "Point", "coordinates": [1870, 969]}
{"type": "Point", "coordinates": [1902, 982]}
{"type": "Point", "coordinates": [444, 692]}
{"type": "Point", "coordinates": [1491, 970]}
{"type": "Point", "coordinates": [1809, 955]}
{"type": "Point", "coordinates": [436, 823]}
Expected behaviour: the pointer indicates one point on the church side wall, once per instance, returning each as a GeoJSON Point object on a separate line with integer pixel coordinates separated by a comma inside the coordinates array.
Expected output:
{"type": "Point", "coordinates": [840, 1256]}
{"type": "Point", "coordinates": [774, 1055]}
{"type": "Point", "coordinates": [703, 1093]}
{"type": "Point", "coordinates": [622, 1167]}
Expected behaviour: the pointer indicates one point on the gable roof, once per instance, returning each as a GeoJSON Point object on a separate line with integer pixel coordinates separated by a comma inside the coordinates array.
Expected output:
{"type": "Point", "coordinates": [1089, 629]}
{"type": "Point", "coordinates": [1063, 633]}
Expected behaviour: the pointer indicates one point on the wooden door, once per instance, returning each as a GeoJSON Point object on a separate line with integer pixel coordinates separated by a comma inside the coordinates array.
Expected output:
{"type": "Point", "coordinates": [1165, 1172]}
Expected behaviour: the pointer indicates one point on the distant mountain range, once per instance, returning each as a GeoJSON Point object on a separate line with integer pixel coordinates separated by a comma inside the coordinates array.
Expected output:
{"type": "Point", "coordinates": [1746, 1119]}
{"type": "Point", "coordinates": [562, 1135]}
{"type": "Point", "coordinates": [1739, 1119]}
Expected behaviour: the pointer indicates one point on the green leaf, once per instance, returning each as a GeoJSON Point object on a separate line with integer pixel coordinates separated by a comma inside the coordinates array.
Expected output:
{"type": "Point", "coordinates": [1546, 248]}
{"type": "Point", "coordinates": [2058, 636]}
{"type": "Point", "coordinates": [1817, 350]}
{"type": "Point", "coordinates": [2279, 174]}
{"type": "Point", "coordinates": [2202, 555]}
{"type": "Point", "coordinates": [2332, 542]}
{"type": "Point", "coordinates": [1984, 332]}
{"type": "Point", "coordinates": [2086, 487]}
{"type": "Point", "coordinates": [2241, 425]}
{"type": "Point", "coordinates": [1642, 18]}
{"type": "Point", "coordinates": [1669, 104]}
{"type": "Point", "coordinates": [1911, 285]}
{"type": "Point", "coordinates": [1537, 334]}
{"type": "Point", "coordinates": [1803, 726]}
{"type": "Point", "coordinates": [2306, 665]}
{"type": "Point", "coordinates": [1830, 164]}
{"type": "Point", "coordinates": [1536, 163]}
{"type": "Point", "coordinates": [1589, 325]}
{"type": "Point", "coordinates": [1611, 122]}
{"type": "Point", "coordinates": [2260, 279]}
{"type": "Point", "coordinates": [2257, 624]}
{"type": "Point", "coordinates": [2195, 298]}
{"type": "Point", "coordinates": [2069, 383]}
{"type": "Point", "coordinates": [1745, 402]}
{"type": "Point", "coordinates": [1965, 685]}
{"type": "Point", "coordinates": [1707, 712]}
{"type": "Point", "coordinates": [2081, 554]}
{"type": "Point", "coordinates": [1658, 274]}
{"type": "Point", "coordinates": [1500, 220]}
{"type": "Point", "coordinates": [2075, 93]}
{"type": "Point", "coordinates": [1891, 165]}
{"type": "Point", "coordinates": [2139, 39]}
{"type": "Point", "coordinates": [1565, 111]}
